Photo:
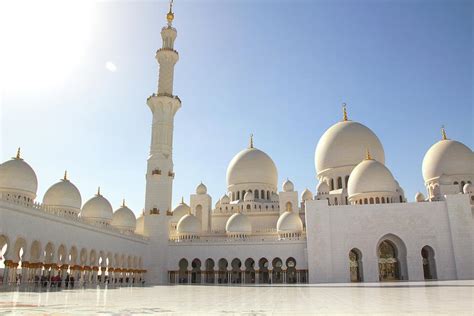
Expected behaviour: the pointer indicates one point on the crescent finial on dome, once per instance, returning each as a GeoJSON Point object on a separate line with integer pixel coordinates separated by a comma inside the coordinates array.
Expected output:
{"type": "Point", "coordinates": [443, 133]}
{"type": "Point", "coordinates": [344, 112]}
{"type": "Point", "coordinates": [367, 155]}
{"type": "Point", "coordinates": [123, 203]}
{"type": "Point", "coordinates": [18, 153]}
{"type": "Point", "coordinates": [98, 191]}
{"type": "Point", "coordinates": [182, 199]}
{"type": "Point", "coordinates": [251, 141]}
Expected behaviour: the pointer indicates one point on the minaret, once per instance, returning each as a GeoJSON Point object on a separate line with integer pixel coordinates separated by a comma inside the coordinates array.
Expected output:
{"type": "Point", "coordinates": [163, 105]}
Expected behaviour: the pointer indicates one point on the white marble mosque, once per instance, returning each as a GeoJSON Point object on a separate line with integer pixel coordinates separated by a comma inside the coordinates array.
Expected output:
{"type": "Point", "coordinates": [356, 225]}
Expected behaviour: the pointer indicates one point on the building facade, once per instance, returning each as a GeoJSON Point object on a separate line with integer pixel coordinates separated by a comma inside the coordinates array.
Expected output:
{"type": "Point", "coordinates": [357, 226]}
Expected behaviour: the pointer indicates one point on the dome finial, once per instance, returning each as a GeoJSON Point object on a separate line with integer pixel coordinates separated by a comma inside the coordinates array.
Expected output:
{"type": "Point", "coordinates": [251, 141]}
{"type": "Point", "coordinates": [18, 153]}
{"type": "Point", "coordinates": [344, 112]}
{"type": "Point", "coordinates": [170, 14]}
{"type": "Point", "coordinates": [367, 155]}
{"type": "Point", "coordinates": [123, 202]}
{"type": "Point", "coordinates": [443, 133]}
{"type": "Point", "coordinates": [182, 200]}
{"type": "Point", "coordinates": [98, 191]}
{"type": "Point", "coordinates": [65, 175]}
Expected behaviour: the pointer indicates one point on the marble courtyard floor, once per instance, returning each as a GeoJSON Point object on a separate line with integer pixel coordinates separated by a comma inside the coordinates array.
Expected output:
{"type": "Point", "coordinates": [420, 298]}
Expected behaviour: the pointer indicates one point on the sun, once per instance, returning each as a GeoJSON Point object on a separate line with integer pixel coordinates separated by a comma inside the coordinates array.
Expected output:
{"type": "Point", "coordinates": [42, 42]}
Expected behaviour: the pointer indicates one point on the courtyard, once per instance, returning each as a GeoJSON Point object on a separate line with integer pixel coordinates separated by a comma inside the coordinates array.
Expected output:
{"type": "Point", "coordinates": [390, 298]}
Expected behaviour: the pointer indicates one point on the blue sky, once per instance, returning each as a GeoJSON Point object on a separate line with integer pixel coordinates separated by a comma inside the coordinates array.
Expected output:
{"type": "Point", "coordinates": [277, 69]}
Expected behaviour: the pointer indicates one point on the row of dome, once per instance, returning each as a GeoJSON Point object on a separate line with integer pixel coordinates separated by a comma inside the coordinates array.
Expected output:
{"type": "Point", "coordinates": [18, 181]}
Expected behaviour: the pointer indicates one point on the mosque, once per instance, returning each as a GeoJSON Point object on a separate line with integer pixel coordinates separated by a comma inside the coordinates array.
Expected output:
{"type": "Point", "coordinates": [357, 226]}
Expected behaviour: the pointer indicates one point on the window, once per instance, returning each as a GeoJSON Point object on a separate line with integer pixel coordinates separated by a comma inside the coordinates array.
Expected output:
{"type": "Point", "coordinates": [332, 184]}
{"type": "Point", "coordinates": [377, 200]}
{"type": "Point", "coordinates": [366, 201]}
{"type": "Point", "coordinates": [339, 183]}
{"type": "Point", "coordinates": [256, 194]}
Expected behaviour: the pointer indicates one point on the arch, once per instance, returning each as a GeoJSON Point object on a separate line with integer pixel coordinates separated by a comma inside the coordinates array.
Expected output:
{"type": "Point", "coordinates": [199, 211]}
{"type": "Point", "coordinates": [236, 275]}
{"type": "Point", "coordinates": [249, 271]}
{"type": "Point", "coordinates": [209, 270]}
{"type": "Point", "coordinates": [62, 254]}
{"type": "Point", "coordinates": [83, 257]}
{"type": "Point", "coordinates": [339, 182]}
{"type": "Point", "coordinates": [377, 200]}
{"type": "Point", "coordinates": [371, 200]}
{"type": "Point", "coordinates": [331, 184]}
{"type": "Point", "coordinates": [268, 195]}
{"type": "Point", "coordinates": [291, 277]}
{"type": "Point", "coordinates": [264, 276]}
{"type": "Point", "coordinates": [346, 180]}
{"type": "Point", "coordinates": [183, 271]}
{"type": "Point", "coordinates": [366, 201]}
{"type": "Point", "coordinates": [277, 273]}
{"type": "Point", "coordinates": [355, 265]}
{"type": "Point", "coordinates": [289, 207]}
{"type": "Point", "coordinates": [196, 271]}
{"type": "Point", "coordinates": [391, 254]}
{"type": "Point", "coordinates": [49, 253]}
{"type": "Point", "coordinates": [93, 258]}
{"type": "Point", "coordinates": [19, 249]}
{"type": "Point", "coordinates": [383, 200]}
{"type": "Point", "coordinates": [429, 263]}
{"type": "Point", "coordinates": [262, 194]}
{"type": "Point", "coordinates": [35, 251]}
{"type": "Point", "coordinates": [73, 256]}
{"type": "Point", "coordinates": [256, 195]}
{"type": "Point", "coordinates": [222, 273]}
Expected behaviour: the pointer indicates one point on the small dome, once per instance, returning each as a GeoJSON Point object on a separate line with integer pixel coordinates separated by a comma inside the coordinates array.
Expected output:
{"type": "Point", "coordinates": [140, 225]}
{"type": "Point", "coordinates": [16, 176]}
{"type": "Point", "coordinates": [447, 157]}
{"type": "Point", "coordinates": [289, 222]}
{"type": "Point", "coordinates": [124, 219]}
{"type": "Point", "coordinates": [322, 188]}
{"type": "Point", "coordinates": [238, 223]}
{"type": "Point", "coordinates": [371, 176]}
{"type": "Point", "coordinates": [468, 188]}
{"type": "Point", "coordinates": [179, 211]}
{"type": "Point", "coordinates": [248, 196]}
{"type": "Point", "coordinates": [252, 165]}
{"type": "Point", "coordinates": [344, 144]}
{"type": "Point", "coordinates": [201, 189]}
{"type": "Point", "coordinates": [189, 225]}
{"type": "Point", "coordinates": [63, 194]}
{"type": "Point", "coordinates": [274, 197]}
{"type": "Point", "coordinates": [306, 195]}
{"type": "Point", "coordinates": [225, 199]}
{"type": "Point", "coordinates": [419, 197]}
{"type": "Point", "coordinates": [98, 209]}
{"type": "Point", "coordinates": [288, 186]}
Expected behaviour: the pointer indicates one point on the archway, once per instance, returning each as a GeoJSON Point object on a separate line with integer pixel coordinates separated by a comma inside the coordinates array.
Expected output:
{"type": "Point", "coordinates": [355, 265]}
{"type": "Point", "coordinates": [196, 271]}
{"type": "Point", "coordinates": [291, 271]}
{"type": "Point", "coordinates": [429, 264]}
{"type": "Point", "coordinates": [264, 276]}
{"type": "Point", "coordinates": [277, 273]}
{"type": "Point", "coordinates": [183, 271]}
{"type": "Point", "coordinates": [209, 270]}
{"type": "Point", "coordinates": [389, 264]}
{"type": "Point", "coordinates": [4, 244]}
{"type": "Point", "coordinates": [236, 276]}
{"type": "Point", "coordinates": [222, 274]}
{"type": "Point", "coordinates": [249, 271]}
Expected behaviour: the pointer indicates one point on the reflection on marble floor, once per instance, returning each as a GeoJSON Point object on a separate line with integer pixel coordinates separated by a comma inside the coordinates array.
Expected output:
{"type": "Point", "coordinates": [447, 297]}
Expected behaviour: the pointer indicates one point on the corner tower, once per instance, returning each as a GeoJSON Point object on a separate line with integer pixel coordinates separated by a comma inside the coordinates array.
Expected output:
{"type": "Point", "coordinates": [163, 105]}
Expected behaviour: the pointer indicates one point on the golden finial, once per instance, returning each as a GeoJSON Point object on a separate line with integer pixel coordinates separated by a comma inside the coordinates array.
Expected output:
{"type": "Point", "coordinates": [65, 175]}
{"type": "Point", "coordinates": [123, 202]}
{"type": "Point", "coordinates": [251, 141]}
{"type": "Point", "coordinates": [98, 191]}
{"type": "Point", "coordinates": [18, 153]}
{"type": "Point", "coordinates": [443, 133]}
{"type": "Point", "coordinates": [344, 112]}
{"type": "Point", "coordinates": [367, 155]}
{"type": "Point", "coordinates": [170, 14]}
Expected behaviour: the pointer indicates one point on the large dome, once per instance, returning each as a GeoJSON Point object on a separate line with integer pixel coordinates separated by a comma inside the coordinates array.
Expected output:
{"type": "Point", "coordinates": [252, 165]}
{"type": "Point", "coordinates": [238, 223]}
{"type": "Point", "coordinates": [344, 144]}
{"type": "Point", "coordinates": [16, 176]}
{"type": "Point", "coordinates": [124, 219]}
{"type": "Point", "coordinates": [371, 176]}
{"type": "Point", "coordinates": [181, 210]}
{"type": "Point", "coordinates": [63, 194]}
{"type": "Point", "coordinates": [447, 157]}
{"type": "Point", "coordinates": [289, 222]}
{"type": "Point", "coordinates": [98, 209]}
{"type": "Point", "coordinates": [189, 225]}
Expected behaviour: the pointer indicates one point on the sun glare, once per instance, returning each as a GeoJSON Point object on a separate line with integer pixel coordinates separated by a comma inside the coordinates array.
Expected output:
{"type": "Point", "coordinates": [42, 42]}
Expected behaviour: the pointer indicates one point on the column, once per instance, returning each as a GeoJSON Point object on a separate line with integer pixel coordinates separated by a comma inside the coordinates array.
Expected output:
{"type": "Point", "coordinates": [257, 276]}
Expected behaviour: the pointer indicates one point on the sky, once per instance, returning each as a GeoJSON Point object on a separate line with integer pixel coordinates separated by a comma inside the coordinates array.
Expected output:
{"type": "Point", "coordinates": [75, 77]}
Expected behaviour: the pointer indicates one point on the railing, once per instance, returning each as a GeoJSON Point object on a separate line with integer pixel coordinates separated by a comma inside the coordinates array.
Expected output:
{"type": "Point", "coordinates": [224, 239]}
